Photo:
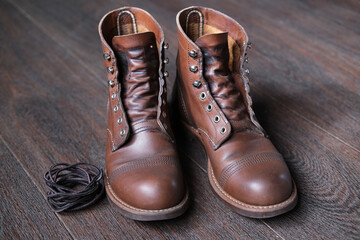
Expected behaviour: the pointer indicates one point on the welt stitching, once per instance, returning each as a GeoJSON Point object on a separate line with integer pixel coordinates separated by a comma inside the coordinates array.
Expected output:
{"type": "Point", "coordinates": [291, 198]}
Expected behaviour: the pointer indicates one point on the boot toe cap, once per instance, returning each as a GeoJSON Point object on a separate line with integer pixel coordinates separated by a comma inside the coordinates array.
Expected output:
{"type": "Point", "coordinates": [261, 184]}
{"type": "Point", "coordinates": [150, 188]}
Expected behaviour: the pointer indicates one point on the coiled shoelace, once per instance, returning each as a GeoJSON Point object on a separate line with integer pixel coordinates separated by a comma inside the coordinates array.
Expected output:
{"type": "Point", "coordinates": [73, 187]}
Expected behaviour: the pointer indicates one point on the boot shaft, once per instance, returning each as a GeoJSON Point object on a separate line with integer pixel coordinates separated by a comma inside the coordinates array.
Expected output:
{"type": "Point", "coordinates": [133, 46]}
{"type": "Point", "coordinates": [213, 85]}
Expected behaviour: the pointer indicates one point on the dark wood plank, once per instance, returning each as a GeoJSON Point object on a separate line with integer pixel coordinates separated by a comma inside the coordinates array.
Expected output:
{"type": "Point", "coordinates": [307, 105]}
{"type": "Point", "coordinates": [306, 51]}
{"type": "Point", "coordinates": [21, 205]}
{"type": "Point", "coordinates": [326, 172]}
{"type": "Point", "coordinates": [55, 112]}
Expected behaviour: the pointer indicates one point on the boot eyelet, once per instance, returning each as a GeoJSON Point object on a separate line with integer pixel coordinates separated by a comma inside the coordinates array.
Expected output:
{"type": "Point", "coordinates": [216, 119]}
{"type": "Point", "coordinates": [164, 114]}
{"type": "Point", "coordinates": [122, 132]}
{"type": "Point", "coordinates": [119, 121]}
{"type": "Point", "coordinates": [209, 107]}
{"type": "Point", "coordinates": [107, 56]}
{"type": "Point", "coordinates": [202, 95]}
{"type": "Point", "coordinates": [111, 83]}
{"type": "Point", "coordinates": [116, 108]}
{"type": "Point", "coordinates": [222, 130]}
{"type": "Point", "coordinates": [110, 69]}
{"type": "Point", "coordinates": [193, 54]}
{"type": "Point", "coordinates": [113, 96]}
{"type": "Point", "coordinates": [166, 74]}
{"type": "Point", "coordinates": [197, 84]}
{"type": "Point", "coordinates": [166, 46]}
{"type": "Point", "coordinates": [166, 60]}
{"type": "Point", "coordinates": [193, 68]}
{"type": "Point", "coordinates": [247, 71]}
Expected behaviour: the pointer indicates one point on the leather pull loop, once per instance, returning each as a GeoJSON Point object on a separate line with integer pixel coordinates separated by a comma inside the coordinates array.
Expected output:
{"type": "Point", "coordinates": [73, 187]}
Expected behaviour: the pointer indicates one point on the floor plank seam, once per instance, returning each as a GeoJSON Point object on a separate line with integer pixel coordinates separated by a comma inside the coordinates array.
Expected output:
{"type": "Point", "coordinates": [308, 120]}
{"type": "Point", "coordinates": [34, 182]}
{"type": "Point", "coordinates": [42, 29]}
{"type": "Point", "coordinates": [273, 230]}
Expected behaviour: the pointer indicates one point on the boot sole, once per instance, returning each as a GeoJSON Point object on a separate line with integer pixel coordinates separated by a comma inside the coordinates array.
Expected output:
{"type": "Point", "coordinates": [239, 207]}
{"type": "Point", "coordinates": [145, 214]}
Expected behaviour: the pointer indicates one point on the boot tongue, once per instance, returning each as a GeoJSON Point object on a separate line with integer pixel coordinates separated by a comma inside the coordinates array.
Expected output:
{"type": "Point", "coordinates": [215, 50]}
{"type": "Point", "coordinates": [133, 40]}
{"type": "Point", "coordinates": [213, 40]}
{"type": "Point", "coordinates": [138, 64]}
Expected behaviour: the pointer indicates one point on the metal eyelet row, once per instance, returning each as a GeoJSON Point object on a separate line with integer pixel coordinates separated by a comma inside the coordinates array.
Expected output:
{"type": "Point", "coordinates": [202, 96]}
{"type": "Point", "coordinates": [111, 83]}
{"type": "Point", "coordinates": [246, 59]}
{"type": "Point", "coordinates": [193, 54]}
{"type": "Point", "coordinates": [166, 60]}
{"type": "Point", "coordinates": [166, 74]}
{"type": "Point", "coordinates": [209, 108]}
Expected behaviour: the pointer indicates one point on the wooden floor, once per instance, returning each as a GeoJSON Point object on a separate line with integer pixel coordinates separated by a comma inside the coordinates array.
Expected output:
{"type": "Point", "coordinates": [305, 84]}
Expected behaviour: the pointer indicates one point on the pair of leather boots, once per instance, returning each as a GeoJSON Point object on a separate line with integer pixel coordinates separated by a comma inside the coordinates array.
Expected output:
{"type": "Point", "coordinates": [143, 172]}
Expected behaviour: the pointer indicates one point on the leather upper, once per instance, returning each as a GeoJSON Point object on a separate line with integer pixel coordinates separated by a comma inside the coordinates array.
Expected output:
{"type": "Point", "coordinates": [212, 51]}
{"type": "Point", "coordinates": [142, 164]}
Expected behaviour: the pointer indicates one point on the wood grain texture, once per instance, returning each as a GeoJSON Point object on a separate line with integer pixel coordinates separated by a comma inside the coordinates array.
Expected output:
{"type": "Point", "coordinates": [301, 49]}
{"type": "Point", "coordinates": [305, 83]}
{"type": "Point", "coordinates": [54, 115]}
{"type": "Point", "coordinates": [21, 204]}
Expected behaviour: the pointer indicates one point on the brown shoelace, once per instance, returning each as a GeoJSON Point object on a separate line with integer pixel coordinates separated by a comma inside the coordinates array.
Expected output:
{"type": "Point", "coordinates": [73, 187]}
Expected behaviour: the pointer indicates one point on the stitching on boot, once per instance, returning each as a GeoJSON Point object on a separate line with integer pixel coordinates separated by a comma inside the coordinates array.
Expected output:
{"type": "Point", "coordinates": [145, 162]}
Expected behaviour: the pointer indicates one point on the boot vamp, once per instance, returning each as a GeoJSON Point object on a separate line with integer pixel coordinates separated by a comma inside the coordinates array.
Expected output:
{"type": "Point", "coordinates": [146, 167]}
{"type": "Point", "coordinates": [249, 168]}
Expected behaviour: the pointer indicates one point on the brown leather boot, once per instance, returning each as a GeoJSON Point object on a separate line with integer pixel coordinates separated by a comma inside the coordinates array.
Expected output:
{"type": "Point", "coordinates": [245, 169]}
{"type": "Point", "coordinates": [143, 174]}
